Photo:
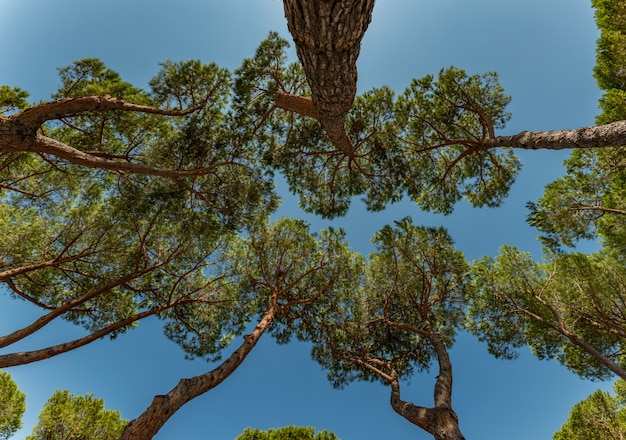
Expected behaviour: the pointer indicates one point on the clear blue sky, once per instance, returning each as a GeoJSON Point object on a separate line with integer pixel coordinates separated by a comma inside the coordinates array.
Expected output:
{"type": "Point", "coordinates": [544, 53]}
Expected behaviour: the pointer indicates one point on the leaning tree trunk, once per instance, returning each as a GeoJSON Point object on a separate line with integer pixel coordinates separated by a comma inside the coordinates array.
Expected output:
{"type": "Point", "coordinates": [163, 407]}
{"type": "Point", "coordinates": [327, 35]}
{"type": "Point", "coordinates": [441, 421]}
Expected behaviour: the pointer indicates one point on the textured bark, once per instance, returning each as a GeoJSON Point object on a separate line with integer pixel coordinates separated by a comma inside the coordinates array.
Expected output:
{"type": "Point", "coordinates": [327, 36]}
{"type": "Point", "coordinates": [19, 133]}
{"type": "Point", "coordinates": [295, 103]}
{"type": "Point", "coordinates": [600, 136]}
{"type": "Point", "coordinates": [163, 407]}
{"type": "Point", "coordinates": [441, 421]}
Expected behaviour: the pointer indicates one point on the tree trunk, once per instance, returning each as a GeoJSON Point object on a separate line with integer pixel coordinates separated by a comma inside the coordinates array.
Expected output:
{"type": "Point", "coordinates": [163, 407]}
{"type": "Point", "coordinates": [327, 35]}
{"type": "Point", "coordinates": [441, 421]}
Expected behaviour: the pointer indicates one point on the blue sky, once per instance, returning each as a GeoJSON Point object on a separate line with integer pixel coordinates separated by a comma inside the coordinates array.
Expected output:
{"type": "Point", "coordinates": [544, 53]}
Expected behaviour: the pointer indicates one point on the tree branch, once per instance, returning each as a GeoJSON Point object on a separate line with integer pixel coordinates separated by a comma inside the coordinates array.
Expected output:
{"type": "Point", "coordinates": [163, 407]}
{"type": "Point", "coordinates": [67, 107]}
{"type": "Point", "coordinates": [23, 358]}
{"type": "Point", "coordinates": [45, 145]}
{"type": "Point", "coordinates": [608, 135]}
{"type": "Point", "coordinates": [68, 306]}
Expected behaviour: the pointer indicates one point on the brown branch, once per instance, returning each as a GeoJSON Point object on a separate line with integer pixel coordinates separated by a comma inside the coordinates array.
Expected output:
{"type": "Point", "coordinates": [67, 107]}
{"type": "Point", "coordinates": [441, 421]}
{"type": "Point", "coordinates": [163, 407]}
{"type": "Point", "coordinates": [608, 135]}
{"type": "Point", "coordinates": [296, 103]}
{"type": "Point", "coordinates": [68, 306]}
{"type": "Point", "coordinates": [45, 145]}
{"type": "Point", "coordinates": [562, 329]}
{"type": "Point", "coordinates": [582, 207]}
{"type": "Point", "coordinates": [23, 358]}
{"type": "Point", "coordinates": [16, 271]}
{"type": "Point", "coordinates": [418, 415]}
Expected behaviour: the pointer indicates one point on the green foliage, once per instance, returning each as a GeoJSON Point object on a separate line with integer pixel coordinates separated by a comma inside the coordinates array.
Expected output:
{"type": "Point", "coordinates": [12, 406]}
{"type": "Point", "coordinates": [427, 143]}
{"type": "Point", "coordinates": [279, 262]}
{"type": "Point", "coordinates": [445, 124]}
{"type": "Point", "coordinates": [601, 416]}
{"type": "Point", "coordinates": [300, 270]}
{"type": "Point", "coordinates": [256, 82]}
{"type": "Point", "coordinates": [12, 100]}
{"type": "Point", "coordinates": [69, 417]}
{"type": "Point", "coordinates": [586, 203]}
{"type": "Point", "coordinates": [325, 178]}
{"type": "Point", "coordinates": [559, 307]}
{"type": "Point", "coordinates": [570, 306]}
{"type": "Point", "coordinates": [287, 433]}
{"type": "Point", "coordinates": [415, 285]}
{"type": "Point", "coordinates": [152, 244]}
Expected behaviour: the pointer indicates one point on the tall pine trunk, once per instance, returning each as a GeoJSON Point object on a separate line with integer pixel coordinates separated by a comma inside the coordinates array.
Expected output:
{"type": "Point", "coordinates": [327, 36]}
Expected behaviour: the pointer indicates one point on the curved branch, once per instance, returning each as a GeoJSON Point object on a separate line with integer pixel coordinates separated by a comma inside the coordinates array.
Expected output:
{"type": "Point", "coordinates": [163, 407]}
{"type": "Point", "coordinates": [68, 306]}
{"type": "Point", "coordinates": [45, 145]}
{"type": "Point", "coordinates": [23, 358]}
{"type": "Point", "coordinates": [440, 421]}
{"type": "Point", "coordinates": [67, 107]}
{"type": "Point", "coordinates": [296, 103]}
{"type": "Point", "coordinates": [581, 207]}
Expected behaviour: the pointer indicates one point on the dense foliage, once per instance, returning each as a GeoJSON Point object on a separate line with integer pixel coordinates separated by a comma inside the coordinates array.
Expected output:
{"type": "Point", "coordinates": [601, 416]}
{"type": "Point", "coordinates": [119, 203]}
{"type": "Point", "coordinates": [287, 433]}
{"type": "Point", "coordinates": [69, 417]}
{"type": "Point", "coordinates": [12, 406]}
{"type": "Point", "coordinates": [571, 305]}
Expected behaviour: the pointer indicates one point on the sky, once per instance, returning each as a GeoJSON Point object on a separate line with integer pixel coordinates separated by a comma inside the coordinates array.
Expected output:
{"type": "Point", "coordinates": [544, 52]}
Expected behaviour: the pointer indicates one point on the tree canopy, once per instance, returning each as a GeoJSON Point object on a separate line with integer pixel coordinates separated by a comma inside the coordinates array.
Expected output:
{"type": "Point", "coordinates": [118, 203]}
{"type": "Point", "coordinates": [281, 272]}
{"type": "Point", "coordinates": [571, 305]}
{"type": "Point", "coordinates": [287, 433]}
{"type": "Point", "coordinates": [12, 406]}
{"type": "Point", "coordinates": [400, 321]}
{"type": "Point", "coordinates": [69, 417]}
{"type": "Point", "coordinates": [601, 416]}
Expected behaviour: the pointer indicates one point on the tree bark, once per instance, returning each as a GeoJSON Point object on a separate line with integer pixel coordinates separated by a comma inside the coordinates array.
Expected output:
{"type": "Point", "coordinates": [600, 136]}
{"type": "Point", "coordinates": [163, 407]}
{"type": "Point", "coordinates": [327, 35]}
{"type": "Point", "coordinates": [19, 133]}
{"type": "Point", "coordinates": [441, 421]}
{"type": "Point", "coordinates": [27, 357]}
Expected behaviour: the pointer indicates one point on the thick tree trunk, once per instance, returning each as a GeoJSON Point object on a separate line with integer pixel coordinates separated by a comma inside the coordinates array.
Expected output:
{"type": "Point", "coordinates": [163, 407]}
{"type": "Point", "coordinates": [327, 35]}
{"type": "Point", "coordinates": [441, 421]}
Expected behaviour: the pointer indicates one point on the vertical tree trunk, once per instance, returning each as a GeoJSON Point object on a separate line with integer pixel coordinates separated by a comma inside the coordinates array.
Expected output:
{"type": "Point", "coordinates": [327, 35]}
